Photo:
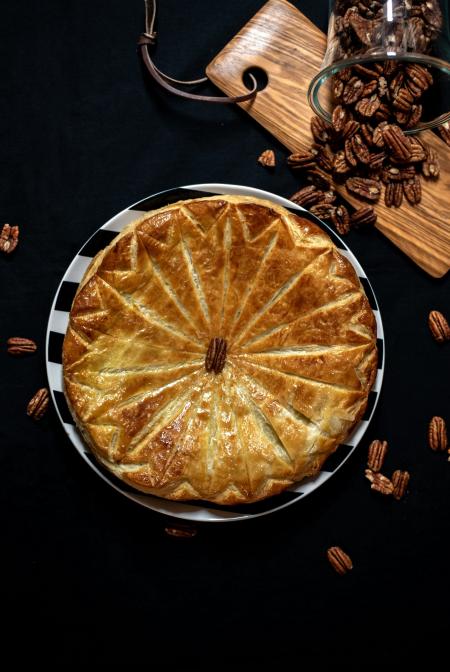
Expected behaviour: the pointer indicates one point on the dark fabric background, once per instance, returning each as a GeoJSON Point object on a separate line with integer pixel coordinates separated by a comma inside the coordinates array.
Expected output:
{"type": "Point", "coordinates": [88, 575]}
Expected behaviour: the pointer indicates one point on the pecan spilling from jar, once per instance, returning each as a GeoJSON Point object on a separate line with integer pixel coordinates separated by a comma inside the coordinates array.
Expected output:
{"type": "Point", "coordinates": [379, 483]}
{"type": "Point", "coordinates": [216, 355]}
{"type": "Point", "coordinates": [377, 454]}
{"type": "Point", "coordinates": [18, 346]}
{"type": "Point", "coordinates": [400, 480]}
{"type": "Point", "coordinates": [364, 187]}
{"type": "Point", "coordinates": [38, 404]}
{"type": "Point", "coordinates": [437, 434]}
{"type": "Point", "coordinates": [339, 560]}
{"type": "Point", "coordinates": [9, 238]}
{"type": "Point", "coordinates": [438, 326]}
{"type": "Point", "coordinates": [302, 160]}
{"type": "Point", "coordinates": [364, 216]}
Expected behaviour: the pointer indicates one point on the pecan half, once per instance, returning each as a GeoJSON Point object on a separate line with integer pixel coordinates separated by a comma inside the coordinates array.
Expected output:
{"type": "Point", "coordinates": [339, 560]}
{"type": "Point", "coordinates": [400, 480]}
{"type": "Point", "coordinates": [267, 158]}
{"type": "Point", "coordinates": [349, 153]}
{"type": "Point", "coordinates": [430, 167]}
{"type": "Point", "coordinates": [364, 216]}
{"type": "Point", "coordinates": [437, 434]}
{"type": "Point", "coordinates": [319, 177]}
{"type": "Point", "coordinates": [368, 106]}
{"type": "Point", "coordinates": [413, 190]}
{"type": "Point", "coordinates": [353, 90]}
{"type": "Point", "coordinates": [414, 116]}
{"type": "Point", "coordinates": [439, 326]}
{"type": "Point", "coordinates": [379, 483]}
{"type": "Point", "coordinates": [350, 128]}
{"type": "Point", "coordinates": [364, 187]}
{"type": "Point", "coordinates": [181, 531]}
{"type": "Point", "coordinates": [444, 132]}
{"type": "Point", "coordinates": [38, 404]}
{"type": "Point", "coordinates": [320, 130]}
{"type": "Point", "coordinates": [18, 346]}
{"type": "Point", "coordinates": [419, 78]}
{"type": "Point", "coordinates": [341, 219]}
{"type": "Point", "coordinates": [377, 454]}
{"type": "Point", "coordinates": [323, 210]}
{"type": "Point", "coordinates": [393, 195]}
{"type": "Point", "coordinates": [377, 139]}
{"type": "Point", "coordinates": [360, 150]}
{"type": "Point", "coordinates": [403, 100]}
{"type": "Point", "coordinates": [369, 88]}
{"type": "Point", "coordinates": [339, 118]}
{"type": "Point", "coordinates": [397, 142]}
{"type": "Point", "coordinates": [303, 160]}
{"type": "Point", "coordinates": [325, 158]}
{"type": "Point", "coordinates": [340, 164]}
{"type": "Point", "coordinates": [9, 238]}
{"type": "Point", "coordinates": [307, 196]}
{"type": "Point", "coordinates": [216, 355]}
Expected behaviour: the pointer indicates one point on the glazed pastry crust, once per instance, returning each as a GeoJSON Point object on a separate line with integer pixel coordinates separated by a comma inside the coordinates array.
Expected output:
{"type": "Point", "coordinates": [301, 356]}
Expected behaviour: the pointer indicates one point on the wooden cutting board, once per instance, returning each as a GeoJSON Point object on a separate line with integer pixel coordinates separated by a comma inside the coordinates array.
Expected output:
{"type": "Point", "coordinates": [289, 48]}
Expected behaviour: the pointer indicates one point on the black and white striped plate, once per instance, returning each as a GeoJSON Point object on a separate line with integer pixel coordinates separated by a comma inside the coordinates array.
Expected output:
{"type": "Point", "coordinates": [57, 325]}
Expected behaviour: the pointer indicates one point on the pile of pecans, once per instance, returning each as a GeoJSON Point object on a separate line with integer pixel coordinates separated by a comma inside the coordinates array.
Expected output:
{"type": "Point", "coordinates": [365, 147]}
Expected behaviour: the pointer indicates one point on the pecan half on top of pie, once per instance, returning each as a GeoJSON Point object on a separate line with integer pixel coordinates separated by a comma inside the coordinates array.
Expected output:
{"type": "Point", "coordinates": [218, 349]}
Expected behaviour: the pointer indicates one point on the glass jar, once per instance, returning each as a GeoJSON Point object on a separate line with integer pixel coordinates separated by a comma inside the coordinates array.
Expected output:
{"type": "Point", "coordinates": [378, 33]}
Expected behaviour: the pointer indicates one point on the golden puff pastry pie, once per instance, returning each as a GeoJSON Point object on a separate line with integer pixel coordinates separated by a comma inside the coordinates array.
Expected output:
{"type": "Point", "coordinates": [218, 349]}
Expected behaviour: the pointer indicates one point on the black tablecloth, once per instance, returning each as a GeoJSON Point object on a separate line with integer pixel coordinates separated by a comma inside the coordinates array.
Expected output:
{"type": "Point", "coordinates": [88, 575]}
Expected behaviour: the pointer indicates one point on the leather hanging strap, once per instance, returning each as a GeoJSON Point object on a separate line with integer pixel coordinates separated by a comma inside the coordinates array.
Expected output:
{"type": "Point", "coordinates": [148, 39]}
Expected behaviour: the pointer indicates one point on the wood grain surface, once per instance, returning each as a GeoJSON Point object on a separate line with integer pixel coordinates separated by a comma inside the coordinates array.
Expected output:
{"type": "Point", "coordinates": [289, 48]}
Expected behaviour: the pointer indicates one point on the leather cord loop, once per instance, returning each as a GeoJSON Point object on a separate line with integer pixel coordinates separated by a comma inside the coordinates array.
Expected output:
{"type": "Point", "coordinates": [148, 39]}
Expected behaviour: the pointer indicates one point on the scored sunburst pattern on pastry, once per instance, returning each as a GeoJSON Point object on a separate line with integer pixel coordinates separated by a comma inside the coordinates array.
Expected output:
{"type": "Point", "coordinates": [300, 358]}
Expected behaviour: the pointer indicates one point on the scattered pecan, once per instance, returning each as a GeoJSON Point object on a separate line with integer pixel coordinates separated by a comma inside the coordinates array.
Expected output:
{"type": "Point", "coordinates": [367, 134]}
{"type": "Point", "coordinates": [341, 219]}
{"type": "Point", "coordinates": [393, 195]}
{"type": "Point", "coordinates": [413, 190]}
{"type": "Point", "coordinates": [340, 164]}
{"type": "Point", "coordinates": [38, 404]}
{"type": "Point", "coordinates": [307, 196]}
{"type": "Point", "coordinates": [216, 355]}
{"type": "Point", "coordinates": [181, 531]}
{"type": "Point", "coordinates": [320, 178]}
{"type": "Point", "coordinates": [349, 153]}
{"type": "Point", "coordinates": [430, 167]}
{"type": "Point", "coordinates": [400, 480]}
{"type": "Point", "coordinates": [437, 434]}
{"type": "Point", "coordinates": [9, 238]}
{"type": "Point", "coordinates": [267, 158]}
{"type": "Point", "coordinates": [339, 560]}
{"type": "Point", "coordinates": [397, 142]}
{"type": "Point", "coordinates": [302, 160]}
{"type": "Point", "coordinates": [364, 187]}
{"type": "Point", "coordinates": [376, 160]}
{"type": "Point", "coordinates": [325, 158]}
{"type": "Point", "coordinates": [444, 132]}
{"type": "Point", "coordinates": [379, 483]}
{"type": "Point", "coordinates": [377, 454]}
{"type": "Point", "coordinates": [364, 216]}
{"type": "Point", "coordinates": [18, 346]}
{"type": "Point", "coordinates": [320, 130]}
{"type": "Point", "coordinates": [323, 210]}
{"type": "Point", "coordinates": [439, 326]}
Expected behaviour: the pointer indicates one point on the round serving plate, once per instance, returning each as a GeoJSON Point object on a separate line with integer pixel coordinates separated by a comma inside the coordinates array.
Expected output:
{"type": "Point", "coordinates": [57, 325]}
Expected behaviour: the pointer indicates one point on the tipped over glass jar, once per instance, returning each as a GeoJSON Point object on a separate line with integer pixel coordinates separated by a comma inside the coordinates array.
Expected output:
{"type": "Point", "coordinates": [388, 60]}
